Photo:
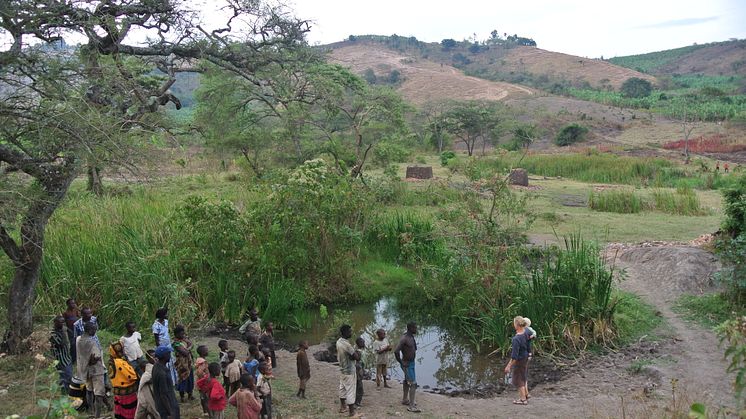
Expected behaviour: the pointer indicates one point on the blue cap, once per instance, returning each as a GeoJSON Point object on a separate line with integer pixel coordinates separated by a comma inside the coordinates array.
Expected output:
{"type": "Point", "coordinates": [163, 352]}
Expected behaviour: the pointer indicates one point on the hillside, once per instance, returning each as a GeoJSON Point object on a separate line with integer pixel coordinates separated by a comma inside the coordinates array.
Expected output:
{"type": "Point", "coordinates": [422, 80]}
{"type": "Point", "coordinates": [714, 59]}
{"type": "Point", "coordinates": [509, 62]}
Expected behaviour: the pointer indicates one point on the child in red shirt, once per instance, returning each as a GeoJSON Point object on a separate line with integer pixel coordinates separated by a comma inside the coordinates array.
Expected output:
{"type": "Point", "coordinates": [214, 391]}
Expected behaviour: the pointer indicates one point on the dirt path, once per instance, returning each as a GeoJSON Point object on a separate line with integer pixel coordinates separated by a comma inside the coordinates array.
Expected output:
{"type": "Point", "coordinates": [660, 275]}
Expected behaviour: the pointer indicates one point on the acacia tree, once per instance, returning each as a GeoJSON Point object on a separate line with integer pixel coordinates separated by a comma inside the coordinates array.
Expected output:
{"type": "Point", "coordinates": [57, 110]}
{"type": "Point", "coordinates": [471, 121]}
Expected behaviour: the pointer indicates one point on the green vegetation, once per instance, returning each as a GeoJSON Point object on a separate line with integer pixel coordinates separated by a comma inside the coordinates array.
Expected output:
{"type": "Point", "coordinates": [732, 246]}
{"type": "Point", "coordinates": [732, 333]}
{"type": "Point", "coordinates": [634, 318]}
{"type": "Point", "coordinates": [652, 61]}
{"type": "Point", "coordinates": [706, 310]}
{"type": "Point", "coordinates": [621, 201]}
{"type": "Point", "coordinates": [635, 87]}
{"type": "Point", "coordinates": [569, 134]}
{"type": "Point", "coordinates": [683, 202]}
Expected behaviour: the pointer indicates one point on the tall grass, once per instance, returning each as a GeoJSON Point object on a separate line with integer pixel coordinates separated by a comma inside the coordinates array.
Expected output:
{"type": "Point", "coordinates": [621, 201]}
{"type": "Point", "coordinates": [682, 202]}
{"type": "Point", "coordinates": [405, 237]}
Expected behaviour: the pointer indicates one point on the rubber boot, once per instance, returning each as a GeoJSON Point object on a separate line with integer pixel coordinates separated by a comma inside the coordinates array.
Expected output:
{"type": "Point", "coordinates": [405, 397]}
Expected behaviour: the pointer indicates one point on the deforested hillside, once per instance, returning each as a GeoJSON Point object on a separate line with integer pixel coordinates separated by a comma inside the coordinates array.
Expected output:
{"type": "Point", "coordinates": [418, 79]}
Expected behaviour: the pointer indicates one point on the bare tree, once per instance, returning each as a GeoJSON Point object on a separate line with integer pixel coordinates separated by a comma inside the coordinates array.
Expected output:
{"type": "Point", "coordinates": [61, 109]}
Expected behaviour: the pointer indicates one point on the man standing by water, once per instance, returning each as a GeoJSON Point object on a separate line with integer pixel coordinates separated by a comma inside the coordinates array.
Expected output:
{"type": "Point", "coordinates": [347, 356]}
{"type": "Point", "coordinates": [405, 354]}
{"type": "Point", "coordinates": [252, 328]}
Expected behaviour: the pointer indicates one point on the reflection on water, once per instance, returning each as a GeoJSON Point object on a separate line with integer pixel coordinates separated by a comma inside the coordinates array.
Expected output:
{"type": "Point", "coordinates": [443, 360]}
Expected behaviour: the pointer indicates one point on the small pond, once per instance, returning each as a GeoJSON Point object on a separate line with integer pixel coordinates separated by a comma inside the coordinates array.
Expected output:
{"type": "Point", "coordinates": [445, 362]}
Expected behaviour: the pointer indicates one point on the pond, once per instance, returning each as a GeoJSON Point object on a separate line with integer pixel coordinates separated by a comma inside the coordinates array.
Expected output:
{"type": "Point", "coordinates": [445, 361]}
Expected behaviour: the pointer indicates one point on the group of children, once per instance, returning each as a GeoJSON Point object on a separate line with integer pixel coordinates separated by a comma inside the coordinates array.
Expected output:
{"type": "Point", "coordinates": [144, 383]}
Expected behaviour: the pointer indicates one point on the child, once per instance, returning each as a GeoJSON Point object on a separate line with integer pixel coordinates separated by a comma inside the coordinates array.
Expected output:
{"type": "Point", "coordinates": [233, 371]}
{"type": "Point", "coordinates": [245, 400]}
{"type": "Point", "coordinates": [252, 362]}
{"type": "Point", "coordinates": [304, 369]}
{"type": "Point", "coordinates": [267, 341]}
{"type": "Point", "coordinates": [215, 393]}
{"type": "Point", "coordinates": [223, 359]}
{"type": "Point", "coordinates": [267, 357]}
{"type": "Point", "coordinates": [264, 390]}
{"type": "Point", "coordinates": [359, 366]}
{"type": "Point", "coordinates": [382, 348]}
{"type": "Point", "coordinates": [531, 335]}
{"type": "Point", "coordinates": [202, 371]}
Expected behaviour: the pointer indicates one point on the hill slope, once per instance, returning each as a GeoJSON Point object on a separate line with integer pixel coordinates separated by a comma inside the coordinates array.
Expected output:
{"type": "Point", "coordinates": [715, 59]}
{"type": "Point", "coordinates": [423, 80]}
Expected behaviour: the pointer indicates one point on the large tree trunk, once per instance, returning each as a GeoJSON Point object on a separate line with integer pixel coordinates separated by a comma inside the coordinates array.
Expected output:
{"type": "Point", "coordinates": [95, 184]}
{"type": "Point", "coordinates": [27, 257]}
{"type": "Point", "coordinates": [20, 301]}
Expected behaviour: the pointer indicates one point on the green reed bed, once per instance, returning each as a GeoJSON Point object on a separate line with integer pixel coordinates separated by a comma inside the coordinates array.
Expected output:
{"type": "Point", "coordinates": [621, 201]}
{"type": "Point", "coordinates": [682, 201]}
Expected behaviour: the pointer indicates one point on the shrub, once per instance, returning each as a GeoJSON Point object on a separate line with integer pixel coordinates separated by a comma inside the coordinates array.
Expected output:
{"type": "Point", "coordinates": [733, 334]}
{"type": "Point", "coordinates": [616, 200]}
{"type": "Point", "coordinates": [734, 198]}
{"type": "Point", "coordinates": [635, 87]}
{"type": "Point", "coordinates": [570, 134]}
{"type": "Point", "coordinates": [446, 156]}
{"type": "Point", "coordinates": [388, 152]}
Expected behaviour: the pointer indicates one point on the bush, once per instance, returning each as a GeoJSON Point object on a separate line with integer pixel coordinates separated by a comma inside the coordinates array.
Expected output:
{"type": "Point", "coordinates": [446, 156]}
{"type": "Point", "coordinates": [388, 152]}
{"type": "Point", "coordinates": [734, 198]}
{"type": "Point", "coordinates": [635, 87]}
{"type": "Point", "coordinates": [682, 202]}
{"type": "Point", "coordinates": [570, 134]}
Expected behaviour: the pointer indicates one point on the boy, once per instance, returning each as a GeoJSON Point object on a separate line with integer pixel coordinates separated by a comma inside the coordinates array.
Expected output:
{"type": "Point", "coordinates": [215, 393]}
{"type": "Point", "coordinates": [145, 402]}
{"type": "Point", "coordinates": [252, 363]}
{"type": "Point", "coordinates": [201, 371]}
{"type": "Point", "coordinates": [267, 341]}
{"type": "Point", "coordinates": [133, 353]}
{"type": "Point", "coordinates": [91, 367]}
{"type": "Point", "coordinates": [244, 399]}
{"type": "Point", "coordinates": [60, 345]}
{"type": "Point", "coordinates": [233, 371]}
{"type": "Point", "coordinates": [267, 357]}
{"type": "Point", "coordinates": [382, 348]}
{"type": "Point", "coordinates": [223, 359]}
{"type": "Point", "coordinates": [304, 368]}
{"type": "Point", "coordinates": [264, 390]}
{"type": "Point", "coordinates": [359, 367]}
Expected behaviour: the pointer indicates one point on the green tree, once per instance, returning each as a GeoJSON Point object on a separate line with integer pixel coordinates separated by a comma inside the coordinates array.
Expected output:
{"type": "Point", "coordinates": [636, 87]}
{"type": "Point", "coordinates": [570, 134]}
{"type": "Point", "coordinates": [472, 121]}
{"type": "Point", "coordinates": [56, 110]}
{"type": "Point", "coordinates": [448, 43]}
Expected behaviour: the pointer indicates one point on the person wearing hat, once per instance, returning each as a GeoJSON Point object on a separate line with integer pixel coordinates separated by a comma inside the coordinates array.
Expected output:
{"type": "Point", "coordinates": [163, 386]}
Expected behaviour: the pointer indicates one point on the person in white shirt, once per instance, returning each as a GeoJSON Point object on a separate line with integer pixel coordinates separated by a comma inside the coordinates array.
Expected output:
{"type": "Point", "coordinates": [132, 351]}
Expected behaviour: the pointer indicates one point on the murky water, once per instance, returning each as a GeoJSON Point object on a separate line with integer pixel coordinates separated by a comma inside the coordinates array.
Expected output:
{"type": "Point", "coordinates": [444, 361]}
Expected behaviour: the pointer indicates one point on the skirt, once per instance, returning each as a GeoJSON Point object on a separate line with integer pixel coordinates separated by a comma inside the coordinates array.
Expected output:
{"type": "Point", "coordinates": [125, 406]}
{"type": "Point", "coordinates": [520, 372]}
{"type": "Point", "coordinates": [187, 385]}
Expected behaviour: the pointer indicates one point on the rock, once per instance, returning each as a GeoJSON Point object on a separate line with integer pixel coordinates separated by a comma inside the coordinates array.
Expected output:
{"type": "Point", "coordinates": [426, 387]}
{"type": "Point", "coordinates": [653, 373]}
{"type": "Point", "coordinates": [518, 177]}
{"type": "Point", "coordinates": [419, 172]}
{"type": "Point", "coordinates": [4, 392]}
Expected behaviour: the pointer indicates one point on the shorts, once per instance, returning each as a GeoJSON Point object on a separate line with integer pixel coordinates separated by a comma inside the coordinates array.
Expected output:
{"type": "Point", "coordinates": [347, 387]}
{"type": "Point", "coordinates": [96, 385]}
{"type": "Point", "coordinates": [409, 373]}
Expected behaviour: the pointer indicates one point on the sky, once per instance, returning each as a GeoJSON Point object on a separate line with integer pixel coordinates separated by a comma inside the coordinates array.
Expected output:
{"type": "Point", "coordinates": [579, 27]}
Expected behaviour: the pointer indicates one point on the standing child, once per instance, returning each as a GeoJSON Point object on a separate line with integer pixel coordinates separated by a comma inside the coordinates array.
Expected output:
{"type": "Point", "coordinates": [359, 366]}
{"type": "Point", "coordinates": [233, 372]}
{"type": "Point", "coordinates": [223, 356]}
{"type": "Point", "coordinates": [267, 357]}
{"type": "Point", "coordinates": [382, 348]}
{"type": "Point", "coordinates": [264, 390]}
{"type": "Point", "coordinates": [244, 399]}
{"type": "Point", "coordinates": [202, 370]}
{"type": "Point", "coordinates": [267, 341]}
{"type": "Point", "coordinates": [210, 386]}
{"type": "Point", "coordinates": [530, 336]}
{"type": "Point", "coordinates": [304, 369]}
{"type": "Point", "coordinates": [251, 366]}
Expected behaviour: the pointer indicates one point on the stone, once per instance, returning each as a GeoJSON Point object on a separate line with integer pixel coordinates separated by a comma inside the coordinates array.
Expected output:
{"type": "Point", "coordinates": [419, 172]}
{"type": "Point", "coordinates": [518, 177]}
